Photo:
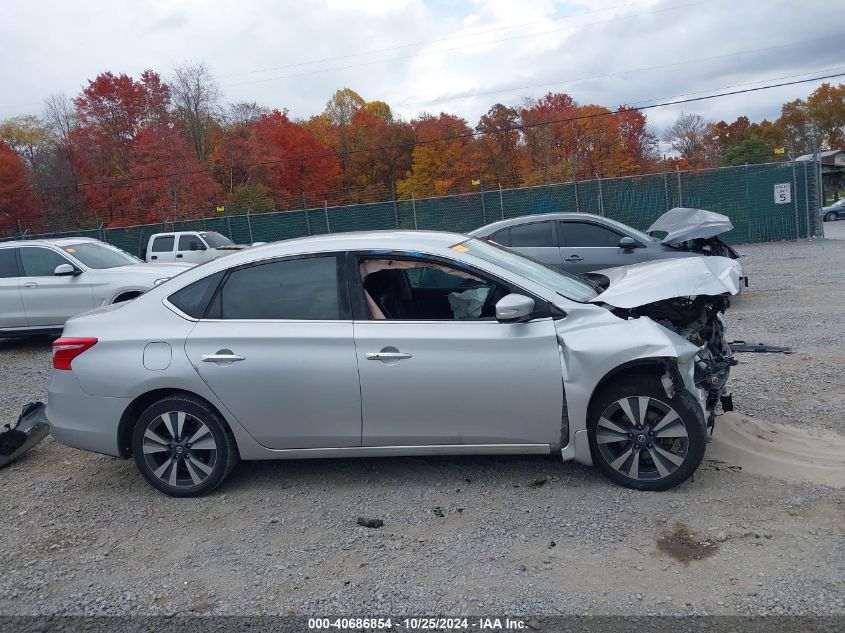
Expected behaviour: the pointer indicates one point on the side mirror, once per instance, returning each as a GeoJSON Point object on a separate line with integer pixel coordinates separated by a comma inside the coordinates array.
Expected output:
{"type": "Point", "coordinates": [66, 270]}
{"type": "Point", "coordinates": [628, 243]}
{"type": "Point", "coordinates": [514, 308]}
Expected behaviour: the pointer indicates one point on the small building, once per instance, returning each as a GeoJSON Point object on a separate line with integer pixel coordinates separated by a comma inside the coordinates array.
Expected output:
{"type": "Point", "coordinates": [832, 164]}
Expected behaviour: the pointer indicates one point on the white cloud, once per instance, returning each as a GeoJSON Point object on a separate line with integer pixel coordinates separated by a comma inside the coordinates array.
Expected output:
{"type": "Point", "coordinates": [421, 55]}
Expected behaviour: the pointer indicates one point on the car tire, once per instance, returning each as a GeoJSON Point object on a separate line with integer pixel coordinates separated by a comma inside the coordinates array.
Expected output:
{"type": "Point", "coordinates": [830, 217]}
{"type": "Point", "coordinates": [656, 450]}
{"type": "Point", "coordinates": [182, 447]}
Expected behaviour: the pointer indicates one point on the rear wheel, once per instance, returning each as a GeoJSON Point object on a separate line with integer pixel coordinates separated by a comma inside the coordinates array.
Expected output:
{"type": "Point", "coordinates": [642, 439]}
{"type": "Point", "coordinates": [182, 447]}
{"type": "Point", "coordinates": [830, 217]}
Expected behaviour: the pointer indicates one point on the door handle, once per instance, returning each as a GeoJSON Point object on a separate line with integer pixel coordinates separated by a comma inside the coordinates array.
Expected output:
{"type": "Point", "coordinates": [221, 358]}
{"type": "Point", "coordinates": [30, 284]}
{"type": "Point", "coordinates": [387, 355]}
{"type": "Point", "coordinates": [574, 258]}
{"type": "Point", "coordinates": [179, 255]}
{"type": "Point", "coordinates": [154, 257]}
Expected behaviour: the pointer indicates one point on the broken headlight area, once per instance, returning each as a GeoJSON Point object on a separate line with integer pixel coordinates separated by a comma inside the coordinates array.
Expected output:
{"type": "Point", "coordinates": [699, 320]}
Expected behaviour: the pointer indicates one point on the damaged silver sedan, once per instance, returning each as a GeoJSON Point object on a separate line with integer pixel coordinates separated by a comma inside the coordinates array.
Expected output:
{"type": "Point", "coordinates": [392, 344]}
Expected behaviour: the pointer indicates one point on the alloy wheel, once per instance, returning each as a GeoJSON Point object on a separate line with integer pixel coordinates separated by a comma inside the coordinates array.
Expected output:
{"type": "Point", "coordinates": [642, 438]}
{"type": "Point", "coordinates": [831, 217]}
{"type": "Point", "coordinates": [179, 449]}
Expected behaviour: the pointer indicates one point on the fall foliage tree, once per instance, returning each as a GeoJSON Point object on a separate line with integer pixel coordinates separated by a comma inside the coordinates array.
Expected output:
{"type": "Point", "coordinates": [440, 166]}
{"type": "Point", "coordinates": [16, 199]}
{"type": "Point", "coordinates": [688, 137]}
{"type": "Point", "coordinates": [291, 161]}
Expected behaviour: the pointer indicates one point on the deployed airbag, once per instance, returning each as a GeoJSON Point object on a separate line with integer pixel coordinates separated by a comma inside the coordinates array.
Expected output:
{"type": "Point", "coordinates": [682, 224]}
{"type": "Point", "coordinates": [469, 303]}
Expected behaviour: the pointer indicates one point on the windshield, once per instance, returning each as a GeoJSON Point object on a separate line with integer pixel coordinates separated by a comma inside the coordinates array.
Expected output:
{"type": "Point", "coordinates": [97, 255]}
{"type": "Point", "coordinates": [563, 283]}
{"type": "Point", "coordinates": [215, 240]}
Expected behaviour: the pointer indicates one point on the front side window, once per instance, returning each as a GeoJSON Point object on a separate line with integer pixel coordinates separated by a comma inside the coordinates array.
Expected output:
{"type": "Point", "coordinates": [586, 234]}
{"type": "Point", "coordinates": [40, 262]}
{"type": "Point", "coordinates": [8, 263]}
{"type": "Point", "coordinates": [163, 244]}
{"type": "Point", "coordinates": [399, 289]}
{"type": "Point", "coordinates": [536, 234]}
{"type": "Point", "coordinates": [300, 289]}
{"type": "Point", "coordinates": [99, 256]}
{"type": "Point", "coordinates": [190, 243]}
{"type": "Point", "coordinates": [215, 240]}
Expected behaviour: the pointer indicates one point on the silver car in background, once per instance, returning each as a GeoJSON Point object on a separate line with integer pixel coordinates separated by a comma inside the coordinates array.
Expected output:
{"type": "Point", "coordinates": [399, 343]}
{"type": "Point", "coordinates": [45, 282]}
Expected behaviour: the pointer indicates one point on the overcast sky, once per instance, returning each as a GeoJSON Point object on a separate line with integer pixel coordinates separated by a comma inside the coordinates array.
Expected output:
{"type": "Point", "coordinates": [432, 55]}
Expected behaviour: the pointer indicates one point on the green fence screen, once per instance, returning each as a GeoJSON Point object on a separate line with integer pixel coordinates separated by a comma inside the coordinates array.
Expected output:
{"type": "Point", "coordinates": [766, 202]}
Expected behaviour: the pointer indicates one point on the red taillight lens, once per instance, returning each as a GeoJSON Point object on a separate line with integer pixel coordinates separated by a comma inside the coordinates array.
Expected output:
{"type": "Point", "coordinates": [66, 349]}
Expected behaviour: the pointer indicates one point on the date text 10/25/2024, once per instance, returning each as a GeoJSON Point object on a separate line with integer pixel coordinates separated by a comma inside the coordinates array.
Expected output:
{"type": "Point", "coordinates": [419, 624]}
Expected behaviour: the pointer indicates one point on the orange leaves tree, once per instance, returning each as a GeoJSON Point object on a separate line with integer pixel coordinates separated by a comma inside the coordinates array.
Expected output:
{"type": "Point", "coordinates": [134, 153]}
{"type": "Point", "coordinates": [290, 161]}
{"type": "Point", "coordinates": [16, 200]}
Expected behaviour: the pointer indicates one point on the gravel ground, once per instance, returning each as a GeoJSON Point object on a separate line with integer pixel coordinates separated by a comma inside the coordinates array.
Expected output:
{"type": "Point", "coordinates": [83, 534]}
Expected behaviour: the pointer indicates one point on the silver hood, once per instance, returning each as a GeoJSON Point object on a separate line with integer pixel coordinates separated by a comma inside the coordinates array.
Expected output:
{"type": "Point", "coordinates": [641, 284]}
{"type": "Point", "coordinates": [681, 224]}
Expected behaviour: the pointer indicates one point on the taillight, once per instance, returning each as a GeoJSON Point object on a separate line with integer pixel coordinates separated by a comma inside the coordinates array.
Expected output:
{"type": "Point", "coordinates": [66, 349]}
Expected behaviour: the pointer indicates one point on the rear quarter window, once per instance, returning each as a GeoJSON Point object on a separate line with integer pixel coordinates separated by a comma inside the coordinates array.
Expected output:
{"type": "Point", "coordinates": [194, 298]}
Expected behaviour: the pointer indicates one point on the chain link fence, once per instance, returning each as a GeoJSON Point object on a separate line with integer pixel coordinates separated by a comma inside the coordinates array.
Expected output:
{"type": "Point", "coordinates": [767, 202]}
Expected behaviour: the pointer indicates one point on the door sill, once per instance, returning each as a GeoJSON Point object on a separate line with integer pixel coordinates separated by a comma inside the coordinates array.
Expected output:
{"type": "Point", "coordinates": [400, 451]}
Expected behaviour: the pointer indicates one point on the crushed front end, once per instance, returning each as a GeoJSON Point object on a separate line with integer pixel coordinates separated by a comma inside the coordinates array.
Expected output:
{"type": "Point", "coordinates": [700, 321]}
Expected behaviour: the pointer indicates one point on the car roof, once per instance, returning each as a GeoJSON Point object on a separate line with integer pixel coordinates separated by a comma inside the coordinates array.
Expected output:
{"type": "Point", "coordinates": [57, 241]}
{"type": "Point", "coordinates": [486, 230]}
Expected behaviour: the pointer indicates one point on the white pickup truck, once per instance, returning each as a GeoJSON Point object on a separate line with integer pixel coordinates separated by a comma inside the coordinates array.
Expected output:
{"type": "Point", "coordinates": [190, 247]}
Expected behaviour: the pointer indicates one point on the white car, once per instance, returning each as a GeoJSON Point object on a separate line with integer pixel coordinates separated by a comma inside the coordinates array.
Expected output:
{"type": "Point", "coordinates": [45, 282]}
{"type": "Point", "coordinates": [192, 247]}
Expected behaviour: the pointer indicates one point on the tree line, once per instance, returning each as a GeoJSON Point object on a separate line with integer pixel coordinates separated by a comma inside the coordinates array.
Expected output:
{"type": "Point", "coordinates": [140, 150]}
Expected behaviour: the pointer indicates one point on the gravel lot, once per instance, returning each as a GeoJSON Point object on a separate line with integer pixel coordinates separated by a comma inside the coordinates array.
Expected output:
{"type": "Point", "coordinates": [84, 534]}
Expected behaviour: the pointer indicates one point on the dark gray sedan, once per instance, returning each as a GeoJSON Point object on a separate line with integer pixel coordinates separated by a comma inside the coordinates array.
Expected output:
{"type": "Point", "coordinates": [583, 242]}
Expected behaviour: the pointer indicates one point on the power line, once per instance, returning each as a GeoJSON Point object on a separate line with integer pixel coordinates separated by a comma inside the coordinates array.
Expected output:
{"type": "Point", "coordinates": [466, 135]}
{"type": "Point", "coordinates": [425, 42]}
{"type": "Point", "coordinates": [458, 48]}
{"type": "Point", "coordinates": [470, 95]}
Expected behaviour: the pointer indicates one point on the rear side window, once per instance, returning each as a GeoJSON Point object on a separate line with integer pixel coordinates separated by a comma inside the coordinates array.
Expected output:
{"type": "Point", "coordinates": [190, 243]}
{"type": "Point", "coordinates": [301, 289]}
{"type": "Point", "coordinates": [193, 299]}
{"type": "Point", "coordinates": [163, 244]}
{"type": "Point", "coordinates": [536, 234]}
{"type": "Point", "coordinates": [8, 263]}
{"type": "Point", "coordinates": [586, 234]}
{"type": "Point", "coordinates": [40, 262]}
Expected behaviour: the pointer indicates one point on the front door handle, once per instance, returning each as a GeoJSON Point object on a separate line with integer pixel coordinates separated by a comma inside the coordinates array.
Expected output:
{"type": "Point", "coordinates": [387, 355]}
{"type": "Point", "coordinates": [221, 358]}
{"type": "Point", "coordinates": [574, 258]}
{"type": "Point", "coordinates": [30, 284]}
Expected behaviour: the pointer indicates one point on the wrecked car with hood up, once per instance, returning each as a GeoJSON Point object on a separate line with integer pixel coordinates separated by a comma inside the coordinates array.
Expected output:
{"type": "Point", "coordinates": [396, 344]}
{"type": "Point", "coordinates": [582, 242]}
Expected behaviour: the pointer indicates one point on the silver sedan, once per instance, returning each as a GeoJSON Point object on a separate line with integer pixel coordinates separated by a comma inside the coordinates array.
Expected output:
{"type": "Point", "coordinates": [391, 344]}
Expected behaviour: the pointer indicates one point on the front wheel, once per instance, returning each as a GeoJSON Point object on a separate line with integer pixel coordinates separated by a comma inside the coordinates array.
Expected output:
{"type": "Point", "coordinates": [182, 447]}
{"type": "Point", "coordinates": [830, 217]}
{"type": "Point", "coordinates": [642, 439]}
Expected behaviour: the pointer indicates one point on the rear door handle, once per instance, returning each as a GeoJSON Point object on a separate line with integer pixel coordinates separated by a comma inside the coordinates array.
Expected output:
{"type": "Point", "coordinates": [388, 355]}
{"type": "Point", "coordinates": [221, 358]}
{"type": "Point", "coordinates": [574, 258]}
{"type": "Point", "coordinates": [30, 284]}
{"type": "Point", "coordinates": [179, 255]}
{"type": "Point", "coordinates": [154, 257]}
